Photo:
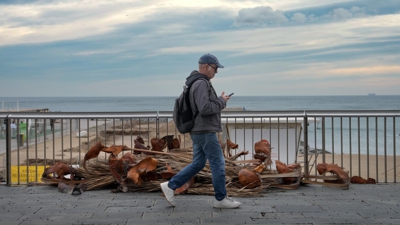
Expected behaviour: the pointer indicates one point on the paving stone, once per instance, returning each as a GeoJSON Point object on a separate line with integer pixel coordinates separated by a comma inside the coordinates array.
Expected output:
{"type": "Point", "coordinates": [284, 221]}
{"type": "Point", "coordinates": [341, 221]}
{"type": "Point", "coordinates": [120, 215]}
{"type": "Point", "coordinates": [299, 208]}
{"type": "Point", "coordinates": [56, 216]}
{"type": "Point", "coordinates": [227, 220]}
{"type": "Point", "coordinates": [23, 208]}
{"type": "Point", "coordinates": [176, 215]}
{"type": "Point", "coordinates": [11, 217]}
{"type": "Point", "coordinates": [133, 209]}
{"type": "Point", "coordinates": [282, 202]}
{"type": "Point", "coordinates": [260, 208]}
{"type": "Point", "coordinates": [164, 221]}
{"type": "Point", "coordinates": [265, 215]}
{"type": "Point", "coordinates": [336, 218]}
{"type": "Point", "coordinates": [388, 220]}
{"type": "Point", "coordinates": [194, 208]}
{"type": "Point", "coordinates": [296, 215]}
{"type": "Point", "coordinates": [224, 213]}
{"type": "Point", "coordinates": [43, 221]}
{"type": "Point", "coordinates": [128, 203]}
{"type": "Point", "coordinates": [91, 221]}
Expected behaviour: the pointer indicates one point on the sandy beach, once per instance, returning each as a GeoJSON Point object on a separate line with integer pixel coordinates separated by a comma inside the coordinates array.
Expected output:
{"type": "Point", "coordinates": [72, 149]}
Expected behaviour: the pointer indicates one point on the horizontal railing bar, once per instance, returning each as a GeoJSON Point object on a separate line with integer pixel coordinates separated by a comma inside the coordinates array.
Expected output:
{"type": "Point", "coordinates": [224, 114]}
{"type": "Point", "coordinates": [82, 115]}
{"type": "Point", "coordinates": [352, 113]}
{"type": "Point", "coordinates": [165, 114]}
{"type": "Point", "coordinates": [291, 112]}
{"type": "Point", "coordinates": [248, 114]}
{"type": "Point", "coordinates": [4, 115]}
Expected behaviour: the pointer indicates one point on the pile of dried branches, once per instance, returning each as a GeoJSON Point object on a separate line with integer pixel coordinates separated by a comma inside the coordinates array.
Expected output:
{"type": "Point", "coordinates": [142, 169]}
{"type": "Point", "coordinates": [98, 175]}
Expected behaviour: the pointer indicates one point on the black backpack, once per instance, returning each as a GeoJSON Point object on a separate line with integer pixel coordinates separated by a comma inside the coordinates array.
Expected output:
{"type": "Point", "coordinates": [183, 114]}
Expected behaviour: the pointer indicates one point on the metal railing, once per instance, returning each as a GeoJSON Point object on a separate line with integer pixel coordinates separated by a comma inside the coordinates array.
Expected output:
{"type": "Point", "coordinates": [364, 143]}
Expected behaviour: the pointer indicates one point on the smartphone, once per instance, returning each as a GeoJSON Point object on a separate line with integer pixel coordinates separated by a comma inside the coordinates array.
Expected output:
{"type": "Point", "coordinates": [230, 94]}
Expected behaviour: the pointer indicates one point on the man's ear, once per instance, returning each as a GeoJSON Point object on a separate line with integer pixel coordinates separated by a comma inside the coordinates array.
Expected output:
{"type": "Point", "coordinates": [209, 68]}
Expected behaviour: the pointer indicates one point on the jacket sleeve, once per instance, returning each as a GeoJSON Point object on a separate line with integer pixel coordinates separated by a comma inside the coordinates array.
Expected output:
{"type": "Point", "coordinates": [206, 101]}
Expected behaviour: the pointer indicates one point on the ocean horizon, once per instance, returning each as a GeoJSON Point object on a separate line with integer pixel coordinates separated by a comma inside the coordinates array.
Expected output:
{"type": "Point", "coordinates": [166, 103]}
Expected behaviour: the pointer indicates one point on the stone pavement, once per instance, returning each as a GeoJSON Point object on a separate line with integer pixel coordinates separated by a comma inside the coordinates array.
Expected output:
{"type": "Point", "coordinates": [309, 204]}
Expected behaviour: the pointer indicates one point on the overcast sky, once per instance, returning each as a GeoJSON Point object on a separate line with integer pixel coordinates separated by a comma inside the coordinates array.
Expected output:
{"type": "Point", "coordinates": [149, 47]}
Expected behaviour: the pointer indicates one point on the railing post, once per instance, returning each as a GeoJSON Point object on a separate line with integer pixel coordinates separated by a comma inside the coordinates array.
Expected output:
{"type": "Point", "coordinates": [305, 137]}
{"type": "Point", "coordinates": [8, 150]}
{"type": "Point", "coordinates": [158, 125]}
{"type": "Point", "coordinates": [323, 139]}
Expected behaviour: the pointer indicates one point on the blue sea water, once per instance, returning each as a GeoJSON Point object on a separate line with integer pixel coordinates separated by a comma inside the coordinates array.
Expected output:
{"type": "Point", "coordinates": [124, 104]}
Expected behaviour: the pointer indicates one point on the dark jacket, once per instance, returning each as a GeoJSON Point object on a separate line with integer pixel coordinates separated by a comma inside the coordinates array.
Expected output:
{"type": "Point", "coordinates": [204, 99]}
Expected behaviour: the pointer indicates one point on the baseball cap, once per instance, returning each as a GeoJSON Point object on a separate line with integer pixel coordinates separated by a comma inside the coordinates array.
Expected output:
{"type": "Point", "coordinates": [210, 59]}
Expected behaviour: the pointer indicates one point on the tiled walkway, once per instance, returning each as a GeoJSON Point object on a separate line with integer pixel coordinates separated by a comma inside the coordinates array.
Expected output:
{"type": "Point", "coordinates": [311, 204]}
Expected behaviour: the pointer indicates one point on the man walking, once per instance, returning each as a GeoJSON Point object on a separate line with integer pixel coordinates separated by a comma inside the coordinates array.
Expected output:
{"type": "Point", "coordinates": [52, 124]}
{"type": "Point", "coordinates": [205, 101]}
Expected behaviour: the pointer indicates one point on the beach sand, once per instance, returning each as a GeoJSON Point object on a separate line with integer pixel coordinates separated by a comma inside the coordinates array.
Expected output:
{"type": "Point", "coordinates": [72, 149]}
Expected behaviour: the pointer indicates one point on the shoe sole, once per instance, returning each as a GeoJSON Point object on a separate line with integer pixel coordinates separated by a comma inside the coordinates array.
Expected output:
{"type": "Point", "coordinates": [226, 207]}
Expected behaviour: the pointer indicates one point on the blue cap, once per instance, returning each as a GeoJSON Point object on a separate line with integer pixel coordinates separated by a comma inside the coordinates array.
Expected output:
{"type": "Point", "coordinates": [210, 59]}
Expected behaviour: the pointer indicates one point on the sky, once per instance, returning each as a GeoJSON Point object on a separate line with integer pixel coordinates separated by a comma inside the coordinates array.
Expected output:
{"type": "Point", "coordinates": [72, 48]}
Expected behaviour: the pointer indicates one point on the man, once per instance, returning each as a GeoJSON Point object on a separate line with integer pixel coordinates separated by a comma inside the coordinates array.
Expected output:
{"type": "Point", "coordinates": [52, 124]}
{"type": "Point", "coordinates": [13, 129]}
{"type": "Point", "coordinates": [204, 99]}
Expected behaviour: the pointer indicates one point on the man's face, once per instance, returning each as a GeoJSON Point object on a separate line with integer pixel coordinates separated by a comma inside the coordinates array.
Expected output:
{"type": "Point", "coordinates": [212, 69]}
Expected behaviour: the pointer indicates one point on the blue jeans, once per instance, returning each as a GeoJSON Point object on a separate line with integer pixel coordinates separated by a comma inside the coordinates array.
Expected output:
{"type": "Point", "coordinates": [205, 146]}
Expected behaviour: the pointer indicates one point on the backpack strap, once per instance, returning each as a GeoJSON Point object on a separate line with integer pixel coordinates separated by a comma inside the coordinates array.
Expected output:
{"type": "Point", "coordinates": [210, 89]}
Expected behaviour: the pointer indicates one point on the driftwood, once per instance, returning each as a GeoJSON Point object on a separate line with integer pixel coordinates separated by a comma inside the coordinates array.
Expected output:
{"type": "Point", "coordinates": [338, 178]}
{"type": "Point", "coordinates": [124, 132]}
{"type": "Point", "coordinates": [249, 179]}
{"type": "Point", "coordinates": [263, 151]}
{"type": "Point", "coordinates": [282, 168]}
{"type": "Point", "coordinates": [360, 180]}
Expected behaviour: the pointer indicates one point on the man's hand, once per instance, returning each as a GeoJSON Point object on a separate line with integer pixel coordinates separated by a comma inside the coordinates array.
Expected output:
{"type": "Point", "coordinates": [226, 97]}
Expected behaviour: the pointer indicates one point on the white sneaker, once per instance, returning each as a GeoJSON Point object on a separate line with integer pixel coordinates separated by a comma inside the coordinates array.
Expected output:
{"type": "Point", "coordinates": [226, 203]}
{"type": "Point", "coordinates": [169, 194]}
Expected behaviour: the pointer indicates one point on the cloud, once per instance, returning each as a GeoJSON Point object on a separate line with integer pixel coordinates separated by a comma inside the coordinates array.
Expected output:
{"type": "Point", "coordinates": [17, 1]}
{"type": "Point", "coordinates": [344, 14]}
{"type": "Point", "coordinates": [76, 20]}
{"type": "Point", "coordinates": [340, 14]}
{"type": "Point", "coordinates": [265, 15]}
{"type": "Point", "coordinates": [298, 18]}
{"type": "Point", "coordinates": [366, 70]}
{"type": "Point", "coordinates": [260, 15]}
{"type": "Point", "coordinates": [86, 53]}
{"type": "Point", "coordinates": [39, 23]}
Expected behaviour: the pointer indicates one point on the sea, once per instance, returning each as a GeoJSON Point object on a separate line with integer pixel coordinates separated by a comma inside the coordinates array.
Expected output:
{"type": "Point", "coordinates": [254, 103]}
{"type": "Point", "coordinates": [376, 129]}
